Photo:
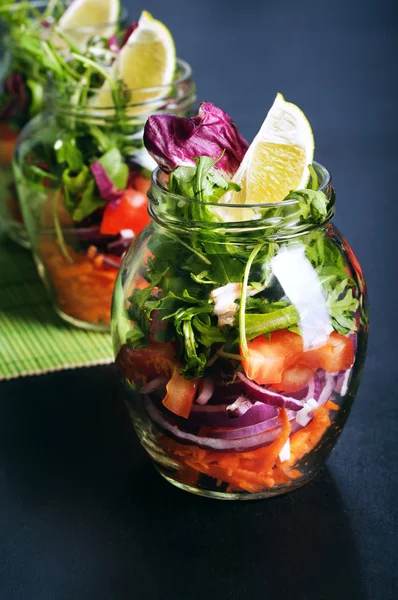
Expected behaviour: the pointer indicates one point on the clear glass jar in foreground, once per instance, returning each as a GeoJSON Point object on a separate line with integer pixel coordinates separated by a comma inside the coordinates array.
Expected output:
{"type": "Point", "coordinates": [222, 414]}
{"type": "Point", "coordinates": [22, 97]}
{"type": "Point", "coordinates": [66, 162]}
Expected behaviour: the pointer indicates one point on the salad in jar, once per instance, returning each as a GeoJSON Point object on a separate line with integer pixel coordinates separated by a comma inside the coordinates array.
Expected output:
{"type": "Point", "coordinates": [81, 170]}
{"type": "Point", "coordinates": [29, 33]}
{"type": "Point", "coordinates": [239, 314]}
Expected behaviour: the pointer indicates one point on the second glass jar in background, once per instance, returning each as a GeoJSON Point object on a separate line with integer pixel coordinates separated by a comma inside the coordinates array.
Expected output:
{"type": "Point", "coordinates": [61, 164]}
{"type": "Point", "coordinates": [22, 97]}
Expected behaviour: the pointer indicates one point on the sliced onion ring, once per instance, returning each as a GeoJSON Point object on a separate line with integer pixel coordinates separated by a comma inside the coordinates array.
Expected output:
{"type": "Point", "coordinates": [242, 445]}
{"type": "Point", "coordinates": [242, 432]}
{"type": "Point", "coordinates": [262, 394]}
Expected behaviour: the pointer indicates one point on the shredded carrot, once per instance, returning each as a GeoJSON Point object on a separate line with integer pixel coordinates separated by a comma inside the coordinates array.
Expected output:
{"type": "Point", "coordinates": [84, 287]}
{"type": "Point", "coordinates": [270, 453]}
{"type": "Point", "coordinates": [254, 470]}
{"type": "Point", "coordinates": [303, 441]}
{"type": "Point", "coordinates": [330, 405]}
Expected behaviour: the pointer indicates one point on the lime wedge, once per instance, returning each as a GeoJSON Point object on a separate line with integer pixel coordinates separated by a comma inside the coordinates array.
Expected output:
{"type": "Point", "coordinates": [277, 159]}
{"type": "Point", "coordinates": [82, 17]}
{"type": "Point", "coordinates": [147, 60]}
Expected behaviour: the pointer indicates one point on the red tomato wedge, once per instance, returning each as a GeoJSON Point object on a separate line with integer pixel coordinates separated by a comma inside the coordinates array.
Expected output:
{"type": "Point", "coordinates": [130, 213]}
{"type": "Point", "coordinates": [295, 378]}
{"type": "Point", "coordinates": [267, 357]}
{"type": "Point", "coordinates": [142, 184]}
{"type": "Point", "coordinates": [281, 361]}
{"type": "Point", "coordinates": [180, 395]}
{"type": "Point", "coordinates": [336, 355]}
{"type": "Point", "coordinates": [157, 360]}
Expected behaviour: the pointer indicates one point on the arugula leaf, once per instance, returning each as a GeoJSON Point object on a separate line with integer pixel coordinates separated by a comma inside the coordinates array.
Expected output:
{"type": "Point", "coordinates": [181, 182]}
{"type": "Point", "coordinates": [202, 183]}
{"type": "Point", "coordinates": [89, 202]}
{"type": "Point", "coordinates": [67, 151]}
{"type": "Point", "coordinates": [135, 337]}
{"type": "Point", "coordinates": [139, 311]}
{"type": "Point", "coordinates": [342, 304]}
{"type": "Point", "coordinates": [313, 204]}
{"type": "Point", "coordinates": [207, 333]}
{"type": "Point", "coordinates": [116, 168]}
{"type": "Point", "coordinates": [202, 278]}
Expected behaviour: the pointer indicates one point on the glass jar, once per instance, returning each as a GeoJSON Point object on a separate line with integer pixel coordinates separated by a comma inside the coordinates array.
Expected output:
{"type": "Point", "coordinates": [241, 342]}
{"type": "Point", "coordinates": [22, 97]}
{"type": "Point", "coordinates": [66, 162]}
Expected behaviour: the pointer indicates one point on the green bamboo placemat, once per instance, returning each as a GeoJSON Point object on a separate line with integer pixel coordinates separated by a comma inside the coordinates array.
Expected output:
{"type": "Point", "coordinates": [33, 339]}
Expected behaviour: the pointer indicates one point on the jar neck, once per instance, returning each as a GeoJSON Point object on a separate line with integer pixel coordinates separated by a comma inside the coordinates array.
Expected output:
{"type": "Point", "coordinates": [122, 107]}
{"type": "Point", "coordinates": [236, 223]}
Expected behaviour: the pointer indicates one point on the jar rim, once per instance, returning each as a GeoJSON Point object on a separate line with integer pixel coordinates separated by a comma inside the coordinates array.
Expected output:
{"type": "Point", "coordinates": [159, 181]}
{"type": "Point", "coordinates": [184, 74]}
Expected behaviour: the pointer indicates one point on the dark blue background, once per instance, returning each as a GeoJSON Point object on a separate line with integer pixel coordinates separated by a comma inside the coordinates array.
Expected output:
{"type": "Point", "coordinates": [82, 513]}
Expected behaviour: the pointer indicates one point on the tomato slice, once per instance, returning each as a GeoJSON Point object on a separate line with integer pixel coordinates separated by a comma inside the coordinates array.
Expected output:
{"type": "Point", "coordinates": [280, 360]}
{"type": "Point", "coordinates": [180, 395]}
{"type": "Point", "coordinates": [336, 355]}
{"type": "Point", "coordinates": [130, 213]}
{"type": "Point", "coordinates": [157, 360]}
{"type": "Point", "coordinates": [267, 357]}
{"type": "Point", "coordinates": [295, 378]}
{"type": "Point", "coordinates": [141, 184]}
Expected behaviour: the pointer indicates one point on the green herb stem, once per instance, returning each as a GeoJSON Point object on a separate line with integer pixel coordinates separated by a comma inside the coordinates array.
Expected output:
{"type": "Point", "coordinates": [58, 229]}
{"type": "Point", "coordinates": [229, 355]}
{"type": "Point", "coordinates": [198, 254]}
{"type": "Point", "coordinates": [242, 306]}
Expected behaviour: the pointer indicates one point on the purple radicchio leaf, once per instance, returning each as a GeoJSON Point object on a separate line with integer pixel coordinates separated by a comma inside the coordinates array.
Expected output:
{"type": "Point", "coordinates": [18, 99]}
{"type": "Point", "coordinates": [113, 44]}
{"type": "Point", "coordinates": [128, 32]}
{"type": "Point", "coordinates": [176, 141]}
{"type": "Point", "coordinates": [106, 188]}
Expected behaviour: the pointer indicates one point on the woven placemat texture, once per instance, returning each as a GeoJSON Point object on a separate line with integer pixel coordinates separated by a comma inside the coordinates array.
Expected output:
{"type": "Point", "coordinates": [33, 339]}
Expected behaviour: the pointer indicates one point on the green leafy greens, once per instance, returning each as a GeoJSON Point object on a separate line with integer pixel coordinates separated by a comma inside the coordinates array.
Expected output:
{"type": "Point", "coordinates": [210, 296]}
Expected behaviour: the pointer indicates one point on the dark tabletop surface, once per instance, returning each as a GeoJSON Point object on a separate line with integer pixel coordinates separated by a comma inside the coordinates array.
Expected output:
{"type": "Point", "coordinates": [83, 515]}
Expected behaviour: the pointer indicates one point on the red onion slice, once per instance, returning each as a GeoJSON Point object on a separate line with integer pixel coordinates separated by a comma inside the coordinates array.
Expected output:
{"type": "Point", "coordinates": [318, 384]}
{"type": "Point", "coordinates": [330, 382]}
{"type": "Point", "coordinates": [219, 415]}
{"type": "Point", "coordinates": [153, 385]}
{"type": "Point", "coordinates": [241, 432]}
{"type": "Point", "coordinates": [208, 443]}
{"type": "Point", "coordinates": [262, 394]}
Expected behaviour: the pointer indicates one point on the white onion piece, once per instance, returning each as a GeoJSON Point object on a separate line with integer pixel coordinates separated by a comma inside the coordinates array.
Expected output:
{"type": "Point", "coordinates": [240, 406]}
{"type": "Point", "coordinates": [342, 382]}
{"type": "Point", "coordinates": [301, 284]}
{"type": "Point", "coordinates": [303, 417]}
{"type": "Point", "coordinates": [206, 390]}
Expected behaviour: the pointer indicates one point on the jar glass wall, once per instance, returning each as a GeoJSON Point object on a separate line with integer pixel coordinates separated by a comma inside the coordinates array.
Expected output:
{"type": "Point", "coordinates": [241, 342]}
{"type": "Point", "coordinates": [68, 160]}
